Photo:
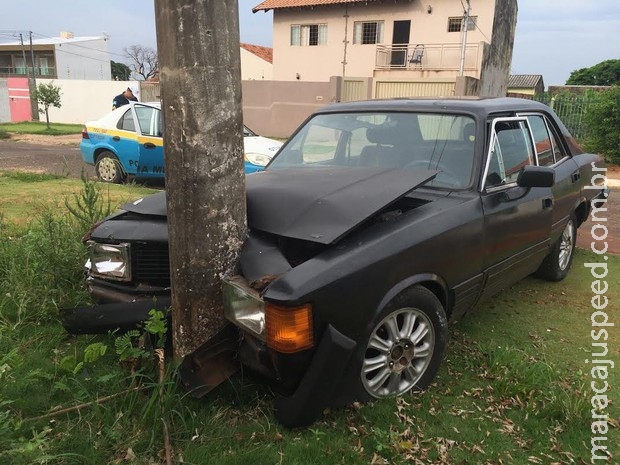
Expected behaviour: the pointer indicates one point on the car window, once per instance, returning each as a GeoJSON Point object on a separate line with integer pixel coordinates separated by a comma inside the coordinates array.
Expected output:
{"type": "Point", "coordinates": [558, 150]}
{"type": "Point", "coordinates": [542, 140]}
{"type": "Point", "coordinates": [126, 122]}
{"type": "Point", "coordinates": [414, 141]}
{"type": "Point", "coordinates": [511, 150]}
{"type": "Point", "coordinates": [247, 132]}
{"type": "Point", "coordinates": [149, 119]}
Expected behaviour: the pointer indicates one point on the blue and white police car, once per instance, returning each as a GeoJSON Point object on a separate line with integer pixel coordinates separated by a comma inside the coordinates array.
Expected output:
{"type": "Point", "coordinates": [128, 142]}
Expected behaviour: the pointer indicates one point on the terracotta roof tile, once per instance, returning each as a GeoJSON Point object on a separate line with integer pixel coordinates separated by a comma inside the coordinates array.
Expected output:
{"type": "Point", "coordinates": [275, 4]}
{"type": "Point", "coordinates": [266, 53]}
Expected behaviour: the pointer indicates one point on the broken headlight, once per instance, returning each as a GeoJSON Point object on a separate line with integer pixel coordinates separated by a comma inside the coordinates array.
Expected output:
{"type": "Point", "coordinates": [110, 261]}
{"type": "Point", "coordinates": [244, 307]}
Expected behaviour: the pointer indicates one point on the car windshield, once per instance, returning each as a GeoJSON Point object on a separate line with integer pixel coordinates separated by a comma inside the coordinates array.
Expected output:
{"type": "Point", "coordinates": [443, 142]}
{"type": "Point", "coordinates": [247, 132]}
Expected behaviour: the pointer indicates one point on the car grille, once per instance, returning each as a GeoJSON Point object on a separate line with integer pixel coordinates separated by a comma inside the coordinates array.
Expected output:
{"type": "Point", "coordinates": [150, 264]}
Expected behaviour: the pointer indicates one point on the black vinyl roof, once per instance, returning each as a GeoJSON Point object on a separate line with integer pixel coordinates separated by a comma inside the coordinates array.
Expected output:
{"type": "Point", "coordinates": [475, 105]}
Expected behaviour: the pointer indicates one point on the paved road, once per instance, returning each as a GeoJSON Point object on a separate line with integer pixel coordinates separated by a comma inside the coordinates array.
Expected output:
{"type": "Point", "coordinates": [57, 159]}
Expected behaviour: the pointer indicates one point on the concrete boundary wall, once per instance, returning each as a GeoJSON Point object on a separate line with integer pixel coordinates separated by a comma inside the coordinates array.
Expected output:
{"type": "Point", "coordinates": [84, 100]}
{"type": "Point", "coordinates": [270, 108]}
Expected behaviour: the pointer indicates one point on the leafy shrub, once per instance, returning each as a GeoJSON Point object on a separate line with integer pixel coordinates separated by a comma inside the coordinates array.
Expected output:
{"type": "Point", "coordinates": [603, 120]}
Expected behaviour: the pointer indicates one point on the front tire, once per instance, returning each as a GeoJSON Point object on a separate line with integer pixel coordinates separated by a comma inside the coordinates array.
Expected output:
{"type": "Point", "coordinates": [108, 168]}
{"type": "Point", "coordinates": [556, 265]}
{"type": "Point", "coordinates": [405, 347]}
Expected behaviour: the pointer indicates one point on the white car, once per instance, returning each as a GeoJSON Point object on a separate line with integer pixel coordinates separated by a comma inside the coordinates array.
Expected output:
{"type": "Point", "coordinates": [128, 141]}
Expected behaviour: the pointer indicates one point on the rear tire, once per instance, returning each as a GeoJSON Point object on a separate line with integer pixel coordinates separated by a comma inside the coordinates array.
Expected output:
{"type": "Point", "coordinates": [405, 346]}
{"type": "Point", "coordinates": [556, 265]}
{"type": "Point", "coordinates": [108, 168]}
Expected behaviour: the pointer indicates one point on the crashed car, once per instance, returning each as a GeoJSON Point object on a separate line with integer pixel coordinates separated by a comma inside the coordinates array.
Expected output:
{"type": "Point", "coordinates": [375, 225]}
{"type": "Point", "coordinates": [128, 141]}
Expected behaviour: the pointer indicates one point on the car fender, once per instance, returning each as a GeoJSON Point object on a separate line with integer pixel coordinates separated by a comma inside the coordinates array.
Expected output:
{"type": "Point", "coordinates": [439, 287]}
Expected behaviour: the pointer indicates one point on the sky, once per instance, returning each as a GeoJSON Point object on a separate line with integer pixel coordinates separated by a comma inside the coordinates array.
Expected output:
{"type": "Point", "coordinates": [553, 37]}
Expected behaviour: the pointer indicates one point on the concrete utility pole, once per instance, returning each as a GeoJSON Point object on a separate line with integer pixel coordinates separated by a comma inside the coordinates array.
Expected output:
{"type": "Point", "coordinates": [465, 26]}
{"type": "Point", "coordinates": [32, 84]}
{"type": "Point", "coordinates": [200, 75]}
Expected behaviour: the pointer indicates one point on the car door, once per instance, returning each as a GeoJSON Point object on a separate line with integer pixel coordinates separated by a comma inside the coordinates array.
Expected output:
{"type": "Point", "coordinates": [124, 143]}
{"type": "Point", "coordinates": [517, 220]}
{"type": "Point", "coordinates": [150, 141]}
{"type": "Point", "coordinates": [550, 151]}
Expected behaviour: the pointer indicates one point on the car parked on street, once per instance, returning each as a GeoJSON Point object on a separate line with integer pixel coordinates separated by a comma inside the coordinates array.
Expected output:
{"type": "Point", "coordinates": [128, 141]}
{"type": "Point", "coordinates": [375, 225]}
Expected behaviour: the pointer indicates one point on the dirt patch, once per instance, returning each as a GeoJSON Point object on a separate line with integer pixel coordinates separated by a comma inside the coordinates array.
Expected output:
{"type": "Point", "coordinates": [43, 139]}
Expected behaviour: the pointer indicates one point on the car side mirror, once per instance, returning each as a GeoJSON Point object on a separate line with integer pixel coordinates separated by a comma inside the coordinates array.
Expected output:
{"type": "Point", "coordinates": [536, 176]}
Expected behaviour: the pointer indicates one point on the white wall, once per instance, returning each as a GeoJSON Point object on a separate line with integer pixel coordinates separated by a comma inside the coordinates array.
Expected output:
{"type": "Point", "coordinates": [87, 59]}
{"type": "Point", "coordinates": [84, 100]}
{"type": "Point", "coordinates": [254, 68]}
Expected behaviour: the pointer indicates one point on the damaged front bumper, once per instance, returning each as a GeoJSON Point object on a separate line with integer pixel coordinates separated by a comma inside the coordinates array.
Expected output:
{"type": "Point", "coordinates": [103, 318]}
{"type": "Point", "coordinates": [275, 346]}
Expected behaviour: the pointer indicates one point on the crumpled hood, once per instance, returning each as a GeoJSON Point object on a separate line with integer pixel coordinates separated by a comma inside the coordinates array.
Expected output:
{"type": "Point", "coordinates": [323, 204]}
{"type": "Point", "coordinates": [313, 204]}
{"type": "Point", "coordinates": [150, 205]}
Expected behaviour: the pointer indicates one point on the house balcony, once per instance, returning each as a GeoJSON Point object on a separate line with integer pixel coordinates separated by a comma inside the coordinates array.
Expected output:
{"type": "Point", "coordinates": [12, 71]}
{"type": "Point", "coordinates": [439, 60]}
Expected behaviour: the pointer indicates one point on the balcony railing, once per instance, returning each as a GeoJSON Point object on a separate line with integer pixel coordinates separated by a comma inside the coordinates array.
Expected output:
{"type": "Point", "coordinates": [14, 71]}
{"type": "Point", "coordinates": [434, 57]}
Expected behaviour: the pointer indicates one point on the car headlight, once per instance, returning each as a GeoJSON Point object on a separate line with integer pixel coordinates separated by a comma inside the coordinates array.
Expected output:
{"type": "Point", "coordinates": [110, 261]}
{"type": "Point", "coordinates": [258, 159]}
{"type": "Point", "coordinates": [283, 329]}
{"type": "Point", "coordinates": [244, 307]}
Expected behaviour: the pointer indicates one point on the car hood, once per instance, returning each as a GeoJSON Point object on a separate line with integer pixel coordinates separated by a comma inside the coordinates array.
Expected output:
{"type": "Point", "coordinates": [261, 145]}
{"type": "Point", "coordinates": [313, 204]}
{"type": "Point", "coordinates": [323, 204]}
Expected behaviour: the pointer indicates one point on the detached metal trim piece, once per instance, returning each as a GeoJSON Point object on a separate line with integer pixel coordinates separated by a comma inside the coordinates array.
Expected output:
{"type": "Point", "coordinates": [104, 318]}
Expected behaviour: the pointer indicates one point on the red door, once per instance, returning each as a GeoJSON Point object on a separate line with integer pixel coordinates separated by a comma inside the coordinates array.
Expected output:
{"type": "Point", "coordinates": [19, 99]}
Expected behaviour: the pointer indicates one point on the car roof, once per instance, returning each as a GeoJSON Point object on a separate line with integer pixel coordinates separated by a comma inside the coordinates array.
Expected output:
{"type": "Point", "coordinates": [475, 105]}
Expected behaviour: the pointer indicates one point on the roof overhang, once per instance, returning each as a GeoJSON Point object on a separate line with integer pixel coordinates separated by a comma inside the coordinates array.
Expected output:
{"type": "Point", "coordinates": [279, 4]}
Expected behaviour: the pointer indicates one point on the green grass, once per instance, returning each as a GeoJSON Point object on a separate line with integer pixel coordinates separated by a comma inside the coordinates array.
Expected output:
{"type": "Point", "coordinates": [56, 129]}
{"type": "Point", "coordinates": [24, 195]}
{"type": "Point", "coordinates": [514, 387]}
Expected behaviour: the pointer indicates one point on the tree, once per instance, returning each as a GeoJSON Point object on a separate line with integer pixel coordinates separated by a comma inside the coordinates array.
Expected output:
{"type": "Point", "coordinates": [48, 95]}
{"type": "Point", "coordinates": [120, 71]}
{"type": "Point", "coordinates": [144, 63]}
{"type": "Point", "coordinates": [602, 118]}
{"type": "Point", "coordinates": [605, 73]}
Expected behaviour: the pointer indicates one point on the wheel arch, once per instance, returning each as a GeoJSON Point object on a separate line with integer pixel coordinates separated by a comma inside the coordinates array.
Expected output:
{"type": "Point", "coordinates": [433, 282]}
{"type": "Point", "coordinates": [581, 212]}
{"type": "Point", "coordinates": [100, 150]}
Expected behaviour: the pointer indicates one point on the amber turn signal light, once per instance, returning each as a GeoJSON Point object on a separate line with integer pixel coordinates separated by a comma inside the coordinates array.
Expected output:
{"type": "Point", "coordinates": [288, 329]}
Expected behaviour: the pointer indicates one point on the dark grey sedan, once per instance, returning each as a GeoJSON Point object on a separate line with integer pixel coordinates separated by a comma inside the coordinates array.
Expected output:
{"type": "Point", "coordinates": [376, 224]}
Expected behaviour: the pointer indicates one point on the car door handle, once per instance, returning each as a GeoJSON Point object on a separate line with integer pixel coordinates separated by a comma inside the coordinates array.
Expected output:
{"type": "Point", "coordinates": [547, 203]}
{"type": "Point", "coordinates": [116, 138]}
{"type": "Point", "coordinates": [575, 176]}
{"type": "Point", "coordinates": [149, 145]}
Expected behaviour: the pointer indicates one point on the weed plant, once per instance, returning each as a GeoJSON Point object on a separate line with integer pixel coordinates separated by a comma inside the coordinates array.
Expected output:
{"type": "Point", "coordinates": [513, 387]}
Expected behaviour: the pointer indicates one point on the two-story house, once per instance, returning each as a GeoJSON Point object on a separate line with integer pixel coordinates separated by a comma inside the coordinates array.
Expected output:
{"type": "Point", "coordinates": [430, 44]}
{"type": "Point", "coordinates": [64, 57]}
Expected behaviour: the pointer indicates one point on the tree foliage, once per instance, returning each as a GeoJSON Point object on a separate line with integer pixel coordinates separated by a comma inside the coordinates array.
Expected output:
{"type": "Point", "coordinates": [605, 73]}
{"type": "Point", "coordinates": [603, 121]}
{"type": "Point", "coordinates": [143, 61]}
{"type": "Point", "coordinates": [120, 71]}
{"type": "Point", "coordinates": [48, 95]}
